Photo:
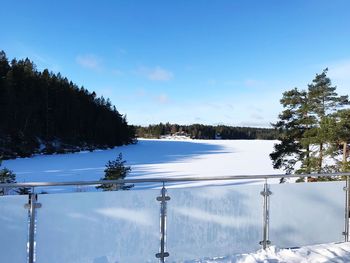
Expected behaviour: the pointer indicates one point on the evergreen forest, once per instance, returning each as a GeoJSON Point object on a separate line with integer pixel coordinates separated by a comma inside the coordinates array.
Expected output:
{"type": "Point", "coordinates": [43, 112]}
{"type": "Point", "coordinates": [200, 131]}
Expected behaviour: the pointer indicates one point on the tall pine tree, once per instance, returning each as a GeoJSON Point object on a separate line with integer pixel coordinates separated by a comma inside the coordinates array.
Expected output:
{"type": "Point", "coordinates": [293, 122]}
{"type": "Point", "coordinates": [311, 127]}
{"type": "Point", "coordinates": [324, 102]}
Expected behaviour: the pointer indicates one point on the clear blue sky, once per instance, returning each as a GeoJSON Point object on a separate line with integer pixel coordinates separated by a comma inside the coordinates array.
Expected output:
{"type": "Point", "coordinates": [211, 62]}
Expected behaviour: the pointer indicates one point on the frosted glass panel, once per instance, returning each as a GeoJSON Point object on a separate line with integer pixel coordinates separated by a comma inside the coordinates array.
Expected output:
{"type": "Point", "coordinates": [213, 221]}
{"type": "Point", "coordinates": [13, 229]}
{"type": "Point", "coordinates": [306, 213]}
{"type": "Point", "coordinates": [102, 227]}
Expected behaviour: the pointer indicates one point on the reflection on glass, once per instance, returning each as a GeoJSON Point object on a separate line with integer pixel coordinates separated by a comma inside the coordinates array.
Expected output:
{"type": "Point", "coordinates": [106, 227]}
{"type": "Point", "coordinates": [13, 229]}
{"type": "Point", "coordinates": [213, 221]}
{"type": "Point", "coordinates": [306, 213]}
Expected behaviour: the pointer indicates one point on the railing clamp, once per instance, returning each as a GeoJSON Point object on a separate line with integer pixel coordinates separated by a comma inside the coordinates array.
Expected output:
{"type": "Point", "coordinates": [162, 255]}
{"type": "Point", "coordinates": [32, 200]}
{"type": "Point", "coordinates": [267, 242]}
{"type": "Point", "coordinates": [266, 192]}
{"type": "Point", "coordinates": [163, 198]}
{"type": "Point", "coordinates": [36, 205]}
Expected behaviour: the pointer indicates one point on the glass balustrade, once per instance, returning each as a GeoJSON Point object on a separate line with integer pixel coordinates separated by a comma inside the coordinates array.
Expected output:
{"type": "Point", "coordinates": [13, 228]}
{"type": "Point", "coordinates": [199, 222]}
{"type": "Point", "coordinates": [213, 221]}
{"type": "Point", "coordinates": [100, 227]}
{"type": "Point", "coordinates": [306, 213]}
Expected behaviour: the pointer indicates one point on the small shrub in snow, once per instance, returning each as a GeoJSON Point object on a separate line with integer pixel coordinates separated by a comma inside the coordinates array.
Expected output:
{"type": "Point", "coordinates": [116, 170]}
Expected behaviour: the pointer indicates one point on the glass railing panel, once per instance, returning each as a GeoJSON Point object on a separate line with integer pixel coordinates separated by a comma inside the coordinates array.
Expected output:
{"type": "Point", "coordinates": [13, 229]}
{"type": "Point", "coordinates": [100, 227]}
{"type": "Point", "coordinates": [213, 221]}
{"type": "Point", "coordinates": [306, 213]}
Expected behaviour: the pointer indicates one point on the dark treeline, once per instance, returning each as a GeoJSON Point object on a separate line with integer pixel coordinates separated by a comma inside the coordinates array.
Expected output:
{"type": "Point", "coordinates": [199, 131]}
{"type": "Point", "coordinates": [45, 112]}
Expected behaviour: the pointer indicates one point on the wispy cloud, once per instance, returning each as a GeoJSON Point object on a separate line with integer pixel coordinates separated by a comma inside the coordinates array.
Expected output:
{"type": "Point", "coordinates": [162, 99]}
{"type": "Point", "coordinates": [89, 61]}
{"type": "Point", "coordinates": [156, 74]}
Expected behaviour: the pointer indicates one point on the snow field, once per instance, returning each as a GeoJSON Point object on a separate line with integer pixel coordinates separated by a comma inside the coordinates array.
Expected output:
{"type": "Point", "coordinates": [154, 158]}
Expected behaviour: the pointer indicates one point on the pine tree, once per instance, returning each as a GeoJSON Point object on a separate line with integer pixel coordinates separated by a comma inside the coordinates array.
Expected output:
{"type": "Point", "coordinates": [324, 102]}
{"type": "Point", "coordinates": [115, 170]}
{"type": "Point", "coordinates": [6, 177]}
{"type": "Point", "coordinates": [312, 126]}
{"type": "Point", "coordinates": [294, 121]}
{"type": "Point", "coordinates": [340, 140]}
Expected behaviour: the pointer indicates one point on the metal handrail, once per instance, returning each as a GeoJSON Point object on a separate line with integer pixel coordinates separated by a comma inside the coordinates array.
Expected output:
{"type": "Point", "coordinates": [168, 180]}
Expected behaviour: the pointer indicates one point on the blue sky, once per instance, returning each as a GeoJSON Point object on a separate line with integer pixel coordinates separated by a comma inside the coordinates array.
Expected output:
{"type": "Point", "coordinates": [210, 62]}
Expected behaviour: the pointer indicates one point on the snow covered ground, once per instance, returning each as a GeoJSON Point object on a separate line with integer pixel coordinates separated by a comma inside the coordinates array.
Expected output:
{"type": "Point", "coordinates": [190, 210]}
{"type": "Point", "coordinates": [154, 158]}
{"type": "Point", "coordinates": [309, 254]}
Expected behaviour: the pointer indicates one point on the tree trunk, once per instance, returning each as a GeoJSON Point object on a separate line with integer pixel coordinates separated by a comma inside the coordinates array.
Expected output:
{"type": "Point", "coordinates": [308, 169]}
{"type": "Point", "coordinates": [319, 170]}
{"type": "Point", "coordinates": [345, 156]}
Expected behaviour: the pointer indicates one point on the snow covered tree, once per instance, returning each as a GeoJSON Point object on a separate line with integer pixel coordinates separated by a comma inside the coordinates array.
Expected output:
{"type": "Point", "coordinates": [115, 170]}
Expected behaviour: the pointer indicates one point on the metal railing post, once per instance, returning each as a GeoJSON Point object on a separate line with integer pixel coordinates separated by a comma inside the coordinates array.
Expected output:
{"type": "Point", "coordinates": [346, 217]}
{"type": "Point", "coordinates": [31, 206]}
{"type": "Point", "coordinates": [163, 210]}
{"type": "Point", "coordinates": [266, 216]}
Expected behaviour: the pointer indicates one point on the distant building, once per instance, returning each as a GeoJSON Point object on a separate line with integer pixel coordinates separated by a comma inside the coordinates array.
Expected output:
{"type": "Point", "coordinates": [218, 136]}
{"type": "Point", "coordinates": [181, 135]}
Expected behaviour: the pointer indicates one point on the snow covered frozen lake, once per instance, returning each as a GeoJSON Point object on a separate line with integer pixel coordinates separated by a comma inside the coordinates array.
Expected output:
{"type": "Point", "coordinates": [153, 158]}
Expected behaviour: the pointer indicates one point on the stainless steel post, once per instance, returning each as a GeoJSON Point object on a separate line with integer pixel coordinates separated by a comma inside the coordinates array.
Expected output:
{"type": "Point", "coordinates": [266, 215]}
{"type": "Point", "coordinates": [163, 210]}
{"type": "Point", "coordinates": [346, 221]}
{"type": "Point", "coordinates": [31, 206]}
